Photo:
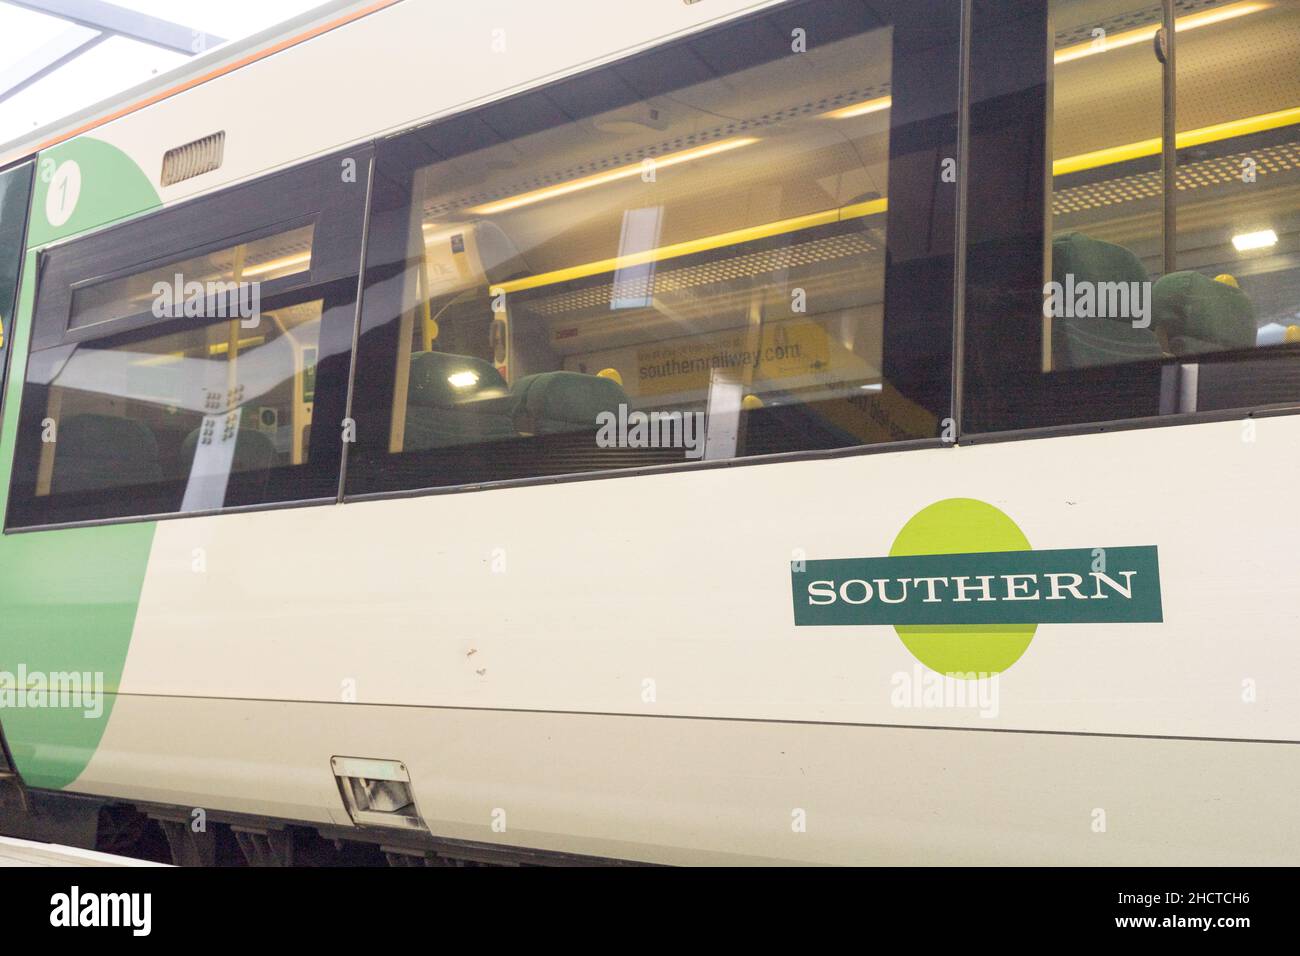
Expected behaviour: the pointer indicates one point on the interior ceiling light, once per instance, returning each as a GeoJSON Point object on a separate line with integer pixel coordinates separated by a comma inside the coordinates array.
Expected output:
{"type": "Point", "coordinates": [861, 109]}
{"type": "Point", "coordinates": [1194, 137]}
{"type": "Point", "coordinates": [1141, 34]}
{"type": "Point", "coordinates": [277, 264]}
{"type": "Point", "coordinates": [1246, 241]}
{"type": "Point", "coordinates": [613, 175]}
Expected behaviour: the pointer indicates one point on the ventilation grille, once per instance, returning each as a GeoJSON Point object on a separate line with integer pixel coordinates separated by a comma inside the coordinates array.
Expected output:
{"type": "Point", "coordinates": [193, 159]}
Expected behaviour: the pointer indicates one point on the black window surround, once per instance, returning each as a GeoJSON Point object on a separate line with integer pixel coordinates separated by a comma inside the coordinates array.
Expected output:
{"type": "Point", "coordinates": [1004, 391]}
{"type": "Point", "coordinates": [317, 194]}
{"type": "Point", "coordinates": [920, 230]}
{"type": "Point", "coordinates": [1004, 167]}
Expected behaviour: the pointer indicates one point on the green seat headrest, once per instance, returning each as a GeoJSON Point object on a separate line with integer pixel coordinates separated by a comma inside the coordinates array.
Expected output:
{"type": "Point", "coordinates": [254, 451]}
{"type": "Point", "coordinates": [1200, 314]}
{"type": "Point", "coordinates": [432, 375]}
{"type": "Point", "coordinates": [103, 451]}
{"type": "Point", "coordinates": [1081, 342]}
{"type": "Point", "coordinates": [565, 401]}
{"type": "Point", "coordinates": [1092, 260]}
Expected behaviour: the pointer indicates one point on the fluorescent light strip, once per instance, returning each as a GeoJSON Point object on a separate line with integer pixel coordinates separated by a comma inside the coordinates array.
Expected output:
{"type": "Point", "coordinates": [1128, 38]}
{"type": "Point", "coordinates": [1104, 157]}
{"type": "Point", "coordinates": [878, 104]}
{"type": "Point", "coordinates": [1193, 137]}
{"type": "Point", "coordinates": [861, 109]}
{"type": "Point", "coordinates": [298, 260]}
{"type": "Point", "coordinates": [1255, 240]}
{"type": "Point", "coordinates": [871, 207]}
{"type": "Point", "coordinates": [613, 175]}
{"type": "Point", "coordinates": [1131, 37]}
{"type": "Point", "coordinates": [1065, 55]}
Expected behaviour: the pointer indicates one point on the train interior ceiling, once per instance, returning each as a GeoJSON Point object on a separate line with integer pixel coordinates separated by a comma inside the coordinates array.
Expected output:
{"type": "Point", "coordinates": [721, 249]}
{"type": "Point", "coordinates": [659, 246]}
{"type": "Point", "coordinates": [1238, 175]}
{"type": "Point", "coordinates": [766, 247]}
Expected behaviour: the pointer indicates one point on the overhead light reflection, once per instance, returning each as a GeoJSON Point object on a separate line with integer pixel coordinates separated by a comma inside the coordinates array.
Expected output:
{"type": "Point", "coordinates": [1246, 241]}
{"type": "Point", "coordinates": [613, 175]}
{"type": "Point", "coordinates": [861, 109]}
{"type": "Point", "coordinates": [1141, 34]}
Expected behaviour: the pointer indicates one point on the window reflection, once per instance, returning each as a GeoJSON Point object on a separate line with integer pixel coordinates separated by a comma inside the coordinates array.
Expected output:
{"type": "Point", "coordinates": [1235, 282]}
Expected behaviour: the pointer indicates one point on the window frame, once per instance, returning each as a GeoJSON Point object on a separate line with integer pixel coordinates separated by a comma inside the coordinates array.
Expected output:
{"type": "Point", "coordinates": [314, 192]}
{"type": "Point", "coordinates": [9, 310]}
{"type": "Point", "coordinates": [1004, 393]}
{"type": "Point", "coordinates": [129, 323]}
{"type": "Point", "coordinates": [922, 216]}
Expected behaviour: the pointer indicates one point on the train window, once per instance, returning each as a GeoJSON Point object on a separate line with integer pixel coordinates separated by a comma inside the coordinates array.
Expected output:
{"type": "Point", "coordinates": [1148, 293]}
{"type": "Point", "coordinates": [188, 374]}
{"type": "Point", "coordinates": [1105, 202]}
{"type": "Point", "coordinates": [271, 257]}
{"type": "Point", "coordinates": [716, 249]}
{"type": "Point", "coordinates": [1234, 286]}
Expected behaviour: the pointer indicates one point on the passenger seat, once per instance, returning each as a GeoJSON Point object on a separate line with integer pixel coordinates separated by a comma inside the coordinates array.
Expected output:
{"type": "Point", "coordinates": [1083, 342]}
{"type": "Point", "coordinates": [95, 452]}
{"type": "Point", "coordinates": [552, 402]}
{"type": "Point", "coordinates": [250, 466]}
{"type": "Point", "coordinates": [455, 400]}
{"type": "Point", "coordinates": [1200, 314]}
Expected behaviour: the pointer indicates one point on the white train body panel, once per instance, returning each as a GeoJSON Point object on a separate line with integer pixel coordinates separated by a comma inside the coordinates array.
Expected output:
{"type": "Point", "coordinates": [526, 686]}
{"type": "Point", "coordinates": [371, 77]}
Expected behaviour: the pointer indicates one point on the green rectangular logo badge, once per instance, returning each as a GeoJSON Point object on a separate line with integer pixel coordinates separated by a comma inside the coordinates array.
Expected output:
{"type": "Point", "coordinates": [1067, 586]}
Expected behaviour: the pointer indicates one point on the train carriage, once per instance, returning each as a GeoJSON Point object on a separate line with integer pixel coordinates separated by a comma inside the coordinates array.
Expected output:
{"type": "Point", "coordinates": [821, 431]}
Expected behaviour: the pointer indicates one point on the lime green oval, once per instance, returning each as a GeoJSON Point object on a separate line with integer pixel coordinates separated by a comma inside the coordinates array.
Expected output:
{"type": "Point", "coordinates": [962, 526]}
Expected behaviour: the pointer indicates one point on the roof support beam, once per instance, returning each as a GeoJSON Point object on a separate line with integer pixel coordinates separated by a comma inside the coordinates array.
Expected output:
{"type": "Point", "coordinates": [44, 60]}
{"type": "Point", "coordinates": [110, 18]}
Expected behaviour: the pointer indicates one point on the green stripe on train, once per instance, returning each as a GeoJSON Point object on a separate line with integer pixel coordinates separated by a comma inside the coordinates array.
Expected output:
{"type": "Point", "coordinates": [68, 599]}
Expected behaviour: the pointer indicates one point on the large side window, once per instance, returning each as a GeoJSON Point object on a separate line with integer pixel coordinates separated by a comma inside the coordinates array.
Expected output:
{"type": "Point", "coordinates": [1160, 280]}
{"type": "Point", "coordinates": [195, 359]}
{"type": "Point", "coordinates": [738, 244]}
{"type": "Point", "coordinates": [15, 186]}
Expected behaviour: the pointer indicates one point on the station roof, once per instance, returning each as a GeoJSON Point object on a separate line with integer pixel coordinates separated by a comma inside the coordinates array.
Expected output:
{"type": "Point", "coordinates": [66, 60]}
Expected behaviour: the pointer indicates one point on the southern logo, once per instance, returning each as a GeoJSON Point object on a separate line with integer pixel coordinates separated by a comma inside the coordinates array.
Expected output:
{"type": "Point", "coordinates": [966, 592]}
